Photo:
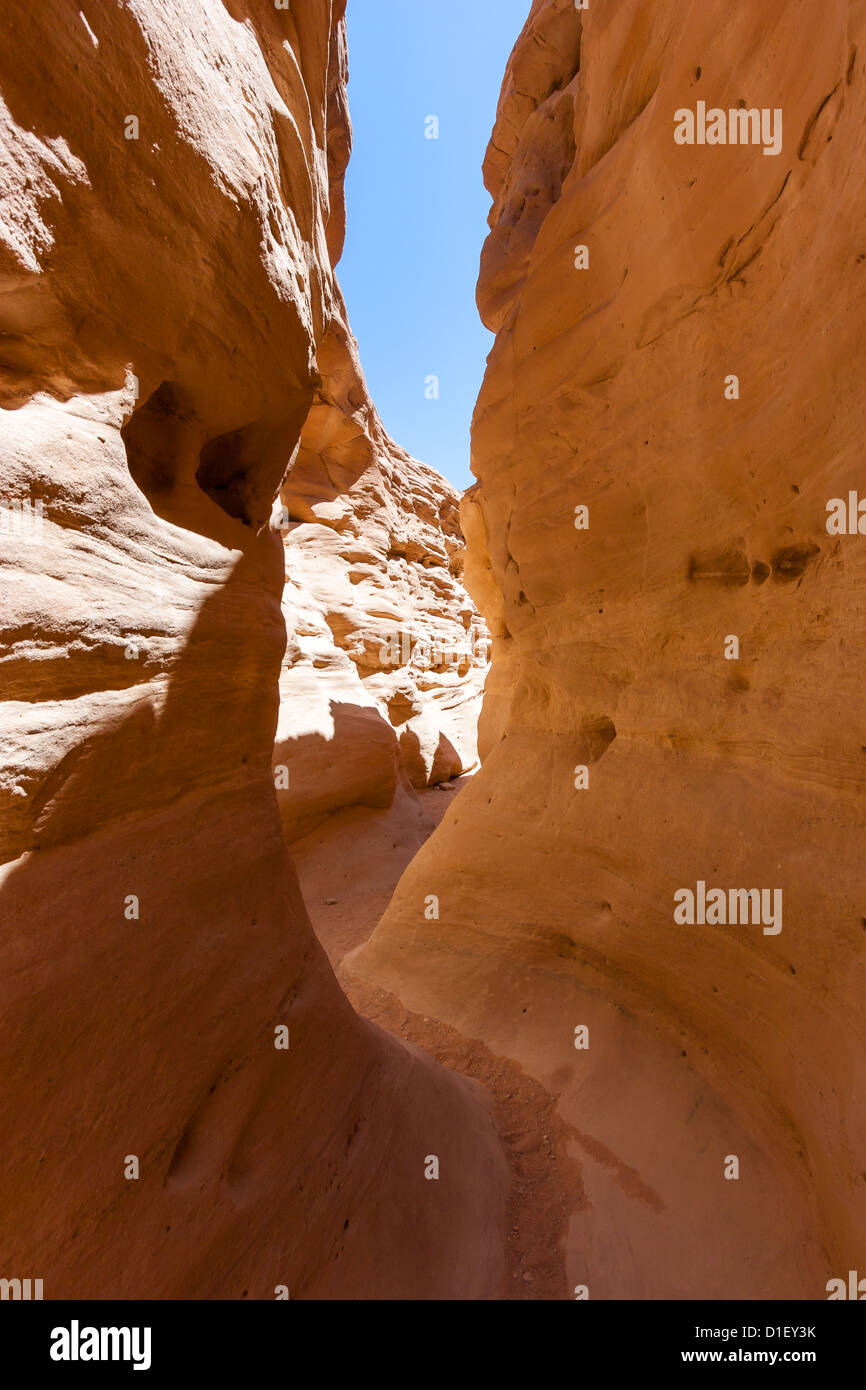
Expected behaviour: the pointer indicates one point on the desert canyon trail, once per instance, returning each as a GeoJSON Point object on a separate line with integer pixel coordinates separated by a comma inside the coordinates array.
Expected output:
{"type": "Point", "coordinates": [274, 922]}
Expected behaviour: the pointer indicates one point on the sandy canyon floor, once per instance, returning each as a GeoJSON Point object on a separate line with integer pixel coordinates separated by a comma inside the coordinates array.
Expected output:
{"type": "Point", "coordinates": [348, 869]}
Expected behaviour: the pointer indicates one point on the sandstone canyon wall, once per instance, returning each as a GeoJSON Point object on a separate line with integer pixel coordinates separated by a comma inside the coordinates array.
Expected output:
{"type": "Point", "coordinates": [386, 653]}
{"type": "Point", "coordinates": [173, 348]}
{"type": "Point", "coordinates": [212, 554]}
{"type": "Point", "coordinates": [627, 753]}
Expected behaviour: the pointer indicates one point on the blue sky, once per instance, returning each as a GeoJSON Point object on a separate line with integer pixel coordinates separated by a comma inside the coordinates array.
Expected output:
{"type": "Point", "coordinates": [417, 209]}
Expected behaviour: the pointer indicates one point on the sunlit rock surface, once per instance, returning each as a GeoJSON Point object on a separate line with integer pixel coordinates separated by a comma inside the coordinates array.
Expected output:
{"type": "Point", "coordinates": [386, 654]}
{"type": "Point", "coordinates": [628, 752]}
{"type": "Point", "coordinates": [189, 1108]}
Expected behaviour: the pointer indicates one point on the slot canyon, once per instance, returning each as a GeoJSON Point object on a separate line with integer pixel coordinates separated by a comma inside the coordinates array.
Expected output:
{"type": "Point", "coordinates": [344, 817]}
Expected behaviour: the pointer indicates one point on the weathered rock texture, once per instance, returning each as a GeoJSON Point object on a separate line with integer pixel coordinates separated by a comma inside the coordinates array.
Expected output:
{"type": "Point", "coordinates": [606, 388]}
{"type": "Point", "coordinates": [172, 209]}
{"type": "Point", "coordinates": [386, 653]}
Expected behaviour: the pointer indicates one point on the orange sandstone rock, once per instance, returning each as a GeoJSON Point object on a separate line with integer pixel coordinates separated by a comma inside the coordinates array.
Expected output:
{"type": "Point", "coordinates": [629, 752]}
{"type": "Point", "coordinates": [172, 210]}
{"type": "Point", "coordinates": [386, 652]}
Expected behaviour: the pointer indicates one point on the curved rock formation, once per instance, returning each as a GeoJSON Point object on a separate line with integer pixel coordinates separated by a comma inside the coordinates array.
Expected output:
{"type": "Point", "coordinates": [630, 751]}
{"type": "Point", "coordinates": [188, 1106]}
{"type": "Point", "coordinates": [639, 926]}
{"type": "Point", "coordinates": [386, 653]}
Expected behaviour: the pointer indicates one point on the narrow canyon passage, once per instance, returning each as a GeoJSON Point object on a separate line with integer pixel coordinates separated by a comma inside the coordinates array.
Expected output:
{"type": "Point", "coordinates": [372, 849]}
{"type": "Point", "coordinates": [408, 895]}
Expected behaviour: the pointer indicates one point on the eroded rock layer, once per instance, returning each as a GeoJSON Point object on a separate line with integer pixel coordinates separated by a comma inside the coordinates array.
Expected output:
{"type": "Point", "coordinates": [631, 750]}
{"type": "Point", "coordinates": [386, 653]}
{"type": "Point", "coordinates": [188, 1106]}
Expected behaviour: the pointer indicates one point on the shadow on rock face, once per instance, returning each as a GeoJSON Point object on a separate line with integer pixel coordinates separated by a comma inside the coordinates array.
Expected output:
{"type": "Point", "coordinates": [156, 948]}
{"type": "Point", "coordinates": [356, 764]}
